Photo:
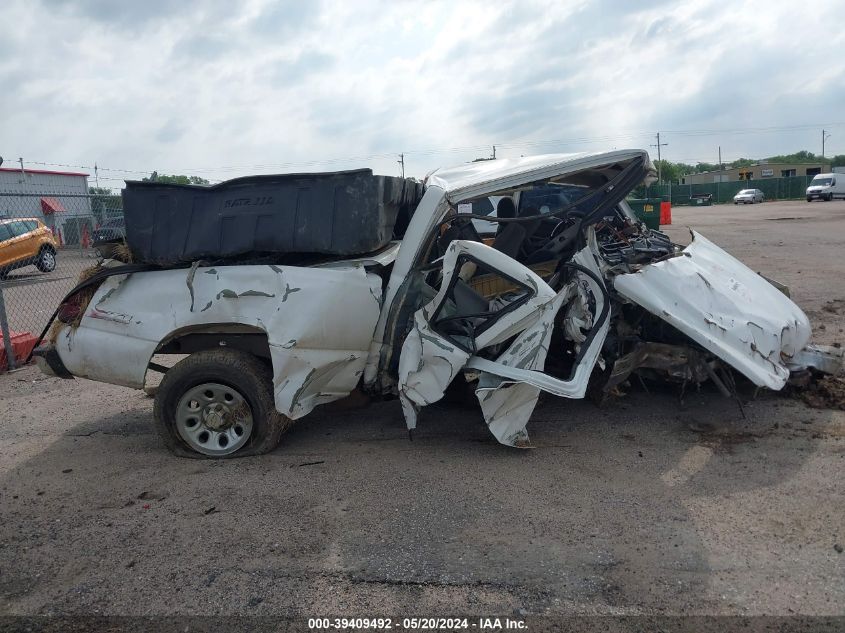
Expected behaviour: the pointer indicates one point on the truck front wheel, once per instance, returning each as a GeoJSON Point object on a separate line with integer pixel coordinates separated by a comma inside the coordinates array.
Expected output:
{"type": "Point", "coordinates": [218, 404]}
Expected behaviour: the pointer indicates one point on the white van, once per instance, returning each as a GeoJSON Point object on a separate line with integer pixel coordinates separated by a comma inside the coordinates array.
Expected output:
{"type": "Point", "coordinates": [826, 187]}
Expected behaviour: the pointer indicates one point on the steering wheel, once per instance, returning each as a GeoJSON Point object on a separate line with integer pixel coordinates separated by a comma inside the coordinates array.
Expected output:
{"type": "Point", "coordinates": [543, 235]}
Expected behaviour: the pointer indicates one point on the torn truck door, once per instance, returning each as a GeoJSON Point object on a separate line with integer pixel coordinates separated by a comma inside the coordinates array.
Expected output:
{"type": "Point", "coordinates": [725, 307]}
{"type": "Point", "coordinates": [457, 322]}
{"type": "Point", "coordinates": [458, 328]}
{"type": "Point", "coordinates": [508, 387]}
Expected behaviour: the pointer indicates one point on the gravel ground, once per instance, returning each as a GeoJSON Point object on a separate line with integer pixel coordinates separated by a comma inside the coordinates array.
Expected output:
{"type": "Point", "coordinates": [644, 506]}
{"type": "Point", "coordinates": [31, 296]}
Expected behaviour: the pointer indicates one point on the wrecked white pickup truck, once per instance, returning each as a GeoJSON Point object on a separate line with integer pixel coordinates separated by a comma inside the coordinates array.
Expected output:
{"type": "Point", "coordinates": [571, 293]}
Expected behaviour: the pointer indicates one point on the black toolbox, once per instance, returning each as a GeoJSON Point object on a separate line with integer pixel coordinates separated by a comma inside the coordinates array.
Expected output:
{"type": "Point", "coordinates": [339, 213]}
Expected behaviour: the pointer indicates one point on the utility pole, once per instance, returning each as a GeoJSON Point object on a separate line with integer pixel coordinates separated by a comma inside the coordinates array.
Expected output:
{"type": "Point", "coordinates": [719, 182]}
{"type": "Point", "coordinates": [825, 136]}
{"type": "Point", "coordinates": [494, 152]}
{"type": "Point", "coordinates": [96, 176]}
{"type": "Point", "coordinates": [401, 161]}
{"type": "Point", "coordinates": [658, 146]}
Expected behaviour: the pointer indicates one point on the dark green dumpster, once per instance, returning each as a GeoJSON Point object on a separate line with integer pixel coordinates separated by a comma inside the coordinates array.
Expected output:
{"type": "Point", "coordinates": [647, 210]}
{"type": "Point", "coordinates": [701, 199]}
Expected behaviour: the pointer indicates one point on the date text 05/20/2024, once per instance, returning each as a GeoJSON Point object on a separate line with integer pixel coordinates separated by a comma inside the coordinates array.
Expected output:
{"type": "Point", "coordinates": [418, 624]}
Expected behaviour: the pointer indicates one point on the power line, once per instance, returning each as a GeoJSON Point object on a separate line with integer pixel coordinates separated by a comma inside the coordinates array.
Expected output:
{"type": "Point", "coordinates": [752, 130]}
{"type": "Point", "coordinates": [625, 136]}
{"type": "Point", "coordinates": [92, 167]}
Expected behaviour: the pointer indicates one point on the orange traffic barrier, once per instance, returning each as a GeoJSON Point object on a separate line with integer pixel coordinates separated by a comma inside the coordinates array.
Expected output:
{"type": "Point", "coordinates": [22, 344]}
{"type": "Point", "coordinates": [665, 213]}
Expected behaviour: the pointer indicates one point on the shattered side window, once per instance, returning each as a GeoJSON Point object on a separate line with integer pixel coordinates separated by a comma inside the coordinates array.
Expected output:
{"type": "Point", "coordinates": [482, 206]}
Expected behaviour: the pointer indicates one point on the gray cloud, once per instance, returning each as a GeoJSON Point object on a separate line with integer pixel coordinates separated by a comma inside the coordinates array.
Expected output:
{"type": "Point", "coordinates": [661, 27]}
{"type": "Point", "coordinates": [603, 18]}
{"type": "Point", "coordinates": [165, 85]}
{"type": "Point", "coordinates": [134, 14]}
{"type": "Point", "coordinates": [285, 72]}
{"type": "Point", "coordinates": [520, 112]}
{"type": "Point", "coordinates": [202, 47]}
{"type": "Point", "coordinates": [333, 118]}
{"type": "Point", "coordinates": [283, 18]}
{"type": "Point", "coordinates": [732, 92]}
{"type": "Point", "coordinates": [171, 131]}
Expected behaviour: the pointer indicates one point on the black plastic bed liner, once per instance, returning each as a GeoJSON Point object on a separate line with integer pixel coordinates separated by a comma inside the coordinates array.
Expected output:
{"type": "Point", "coordinates": [338, 213]}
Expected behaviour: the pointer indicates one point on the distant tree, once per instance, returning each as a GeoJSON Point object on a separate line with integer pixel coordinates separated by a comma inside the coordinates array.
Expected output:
{"type": "Point", "coordinates": [838, 161]}
{"type": "Point", "coordinates": [103, 201]}
{"type": "Point", "coordinates": [742, 162]}
{"type": "Point", "coordinates": [672, 172]}
{"type": "Point", "coordinates": [668, 170]}
{"type": "Point", "coordinates": [176, 180]}
{"type": "Point", "coordinates": [798, 157]}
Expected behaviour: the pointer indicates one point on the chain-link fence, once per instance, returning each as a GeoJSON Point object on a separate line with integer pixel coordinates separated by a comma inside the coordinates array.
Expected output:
{"type": "Point", "coordinates": [46, 241]}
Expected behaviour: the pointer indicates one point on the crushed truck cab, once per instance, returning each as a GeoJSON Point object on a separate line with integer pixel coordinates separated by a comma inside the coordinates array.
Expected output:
{"type": "Point", "coordinates": [571, 294]}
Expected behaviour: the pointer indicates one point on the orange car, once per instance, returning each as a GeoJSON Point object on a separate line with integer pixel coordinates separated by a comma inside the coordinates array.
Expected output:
{"type": "Point", "coordinates": [25, 241]}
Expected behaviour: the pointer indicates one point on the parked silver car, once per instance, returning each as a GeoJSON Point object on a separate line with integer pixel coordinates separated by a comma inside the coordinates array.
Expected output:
{"type": "Point", "coordinates": [748, 196]}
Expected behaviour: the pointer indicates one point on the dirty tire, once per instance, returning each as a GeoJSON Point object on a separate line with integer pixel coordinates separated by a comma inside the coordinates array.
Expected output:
{"type": "Point", "coordinates": [244, 373]}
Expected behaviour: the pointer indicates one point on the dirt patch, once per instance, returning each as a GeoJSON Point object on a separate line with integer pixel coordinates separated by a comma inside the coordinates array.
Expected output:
{"type": "Point", "coordinates": [721, 437]}
{"type": "Point", "coordinates": [825, 393]}
{"type": "Point", "coordinates": [835, 306]}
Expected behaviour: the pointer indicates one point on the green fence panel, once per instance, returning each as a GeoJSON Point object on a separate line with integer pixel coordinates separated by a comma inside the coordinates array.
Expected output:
{"type": "Point", "coordinates": [790, 188]}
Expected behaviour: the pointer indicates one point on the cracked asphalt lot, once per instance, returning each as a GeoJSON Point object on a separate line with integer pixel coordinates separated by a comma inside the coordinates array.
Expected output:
{"type": "Point", "coordinates": [643, 506]}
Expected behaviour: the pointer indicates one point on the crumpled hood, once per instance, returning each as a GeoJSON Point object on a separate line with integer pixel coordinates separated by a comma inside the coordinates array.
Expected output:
{"type": "Point", "coordinates": [725, 307]}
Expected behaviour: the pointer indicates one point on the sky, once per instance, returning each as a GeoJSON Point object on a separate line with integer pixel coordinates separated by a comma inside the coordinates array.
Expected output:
{"type": "Point", "coordinates": [221, 89]}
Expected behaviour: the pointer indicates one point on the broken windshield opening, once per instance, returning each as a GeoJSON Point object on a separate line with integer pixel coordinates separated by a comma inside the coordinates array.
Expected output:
{"type": "Point", "coordinates": [552, 198]}
{"type": "Point", "coordinates": [542, 222]}
{"type": "Point", "coordinates": [583, 195]}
